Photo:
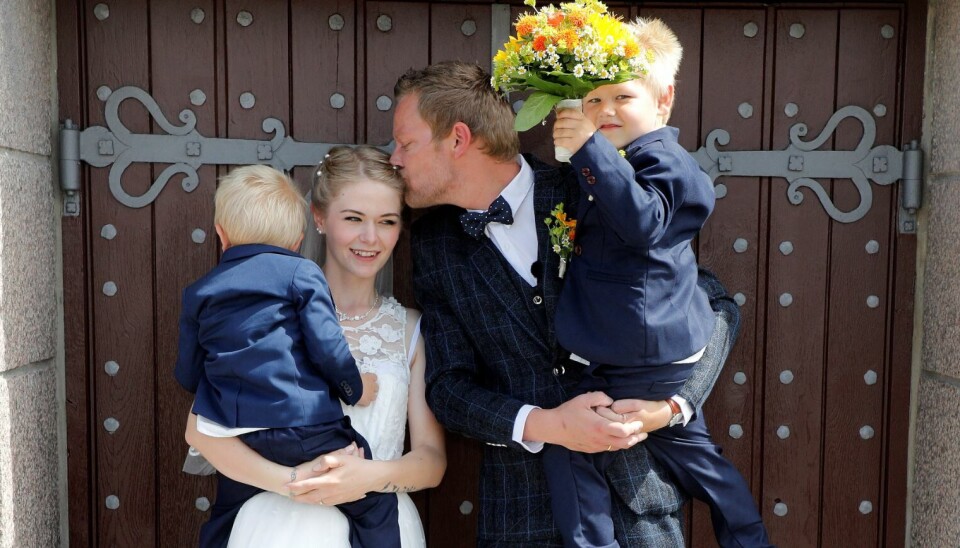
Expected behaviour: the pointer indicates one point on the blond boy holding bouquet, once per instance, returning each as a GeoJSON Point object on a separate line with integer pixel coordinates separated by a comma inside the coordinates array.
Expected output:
{"type": "Point", "coordinates": [630, 309]}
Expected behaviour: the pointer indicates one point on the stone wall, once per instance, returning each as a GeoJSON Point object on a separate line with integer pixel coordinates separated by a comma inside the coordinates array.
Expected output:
{"type": "Point", "coordinates": [935, 514]}
{"type": "Point", "coordinates": [31, 412]}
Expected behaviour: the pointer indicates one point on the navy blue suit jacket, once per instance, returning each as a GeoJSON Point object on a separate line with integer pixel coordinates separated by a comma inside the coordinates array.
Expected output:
{"type": "Point", "coordinates": [490, 350]}
{"type": "Point", "coordinates": [260, 344]}
{"type": "Point", "coordinates": [631, 296]}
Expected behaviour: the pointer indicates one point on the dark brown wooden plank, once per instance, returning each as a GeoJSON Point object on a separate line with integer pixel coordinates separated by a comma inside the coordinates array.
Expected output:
{"type": "Point", "coordinates": [903, 263]}
{"type": "Point", "coordinates": [408, 48]}
{"type": "Point", "coordinates": [736, 216]}
{"type": "Point", "coordinates": [805, 72]}
{"type": "Point", "coordinates": [123, 323]}
{"type": "Point", "coordinates": [182, 60]}
{"type": "Point", "coordinates": [257, 61]}
{"type": "Point", "coordinates": [449, 24]}
{"type": "Point", "coordinates": [323, 64]}
{"type": "Point", "coordinates": [76, 274]}
{"type": "Point", "coordinates": [867, 68]}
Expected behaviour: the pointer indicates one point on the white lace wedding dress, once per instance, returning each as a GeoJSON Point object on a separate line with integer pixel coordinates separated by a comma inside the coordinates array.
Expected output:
{"type": "Point", "coordinates": [383, 345]}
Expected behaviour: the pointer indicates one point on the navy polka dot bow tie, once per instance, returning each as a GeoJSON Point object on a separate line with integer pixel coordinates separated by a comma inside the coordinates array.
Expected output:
{"type": "Point", "coordinates": [475, 221]}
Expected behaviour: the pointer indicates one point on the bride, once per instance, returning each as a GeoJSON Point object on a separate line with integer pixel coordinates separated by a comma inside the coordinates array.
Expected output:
{"type": "Point", "coordinates": [357, 203]}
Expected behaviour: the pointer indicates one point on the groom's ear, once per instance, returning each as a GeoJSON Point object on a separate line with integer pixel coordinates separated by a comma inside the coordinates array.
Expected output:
{"type": "Point", "coordinates": [462, 138]}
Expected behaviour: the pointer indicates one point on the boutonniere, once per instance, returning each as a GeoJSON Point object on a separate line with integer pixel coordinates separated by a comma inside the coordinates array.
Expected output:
{"type": "Point", "coordinates": [562, 232]}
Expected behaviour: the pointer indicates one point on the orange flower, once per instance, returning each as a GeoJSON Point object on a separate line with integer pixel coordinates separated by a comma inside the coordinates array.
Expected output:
{"type": "Point", "coordinates": [555, 20]}
{"type": "Point", "coordinates": [571, 38]}
{"type": "Point", "coordinates": [573, 234]}
{"type": "Point", "coordinates": [577, 19]}
{"type": "Point", "coordinates": [630, 50]}
{"type": "Point", "coordinates": [562, 217]}
{"type": "Point", "coordinates": [540, 43]}
{"type": "Point", "coordinates": [525, 25]}
{"type": "Point", "coordinates": [572, 223]}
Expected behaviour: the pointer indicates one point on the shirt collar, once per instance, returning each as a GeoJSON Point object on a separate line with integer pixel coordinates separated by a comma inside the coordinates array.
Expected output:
{"type": "Point", "coordinates": [519, 188]}
{"type": "Point", "coordinates": [237, 252]}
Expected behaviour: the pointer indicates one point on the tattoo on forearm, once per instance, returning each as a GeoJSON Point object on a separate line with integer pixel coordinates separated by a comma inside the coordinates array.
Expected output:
{"type": "Point", "coordinates": [391, 487]}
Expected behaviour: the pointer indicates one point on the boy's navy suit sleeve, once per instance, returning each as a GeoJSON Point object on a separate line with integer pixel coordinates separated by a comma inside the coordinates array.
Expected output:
{"type": "Point", "coordinates": [323, 336]}
{"type": "Point", "coordinates": [637, 197]}
{"type": "Point", "coordinates": [190, 355]}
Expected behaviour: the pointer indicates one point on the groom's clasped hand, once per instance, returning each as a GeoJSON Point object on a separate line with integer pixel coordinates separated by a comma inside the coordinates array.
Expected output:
{"type": "Point", "coordinates": [593, 422]}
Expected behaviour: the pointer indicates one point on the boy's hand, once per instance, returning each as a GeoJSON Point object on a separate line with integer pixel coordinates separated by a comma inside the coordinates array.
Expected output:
{"type": "Point", "coordinates": [572, 129]}
{"type": "Point", "coordinates": [370, 389]}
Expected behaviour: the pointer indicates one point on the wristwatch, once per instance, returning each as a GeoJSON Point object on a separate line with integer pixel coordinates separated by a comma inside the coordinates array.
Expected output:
{"type": "Point", "coordinates": [677, 417]}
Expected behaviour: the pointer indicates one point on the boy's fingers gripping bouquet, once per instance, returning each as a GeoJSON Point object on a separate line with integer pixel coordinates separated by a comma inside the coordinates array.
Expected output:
{"type": "Point", "coordinates": [564, 53]}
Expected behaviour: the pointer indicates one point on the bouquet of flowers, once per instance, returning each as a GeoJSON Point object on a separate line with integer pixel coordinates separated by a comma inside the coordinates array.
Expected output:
{"type": "Point", "coordinates": [565, 53]}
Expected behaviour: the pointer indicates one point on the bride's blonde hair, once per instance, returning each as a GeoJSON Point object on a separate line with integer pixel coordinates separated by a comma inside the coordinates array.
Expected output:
{"type": "Point", "coordinates": [344, 165]}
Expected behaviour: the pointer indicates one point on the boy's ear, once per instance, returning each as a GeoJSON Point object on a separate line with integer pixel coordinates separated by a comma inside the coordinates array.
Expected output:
{"type": "Point", "coordinates": [665, 103]}
{"type": "Point", "coordinates": [224, 239]}
{"type": "Point", "coordinates": [462, 138]}
{"type": "Point", "coordinates": [296, 246]}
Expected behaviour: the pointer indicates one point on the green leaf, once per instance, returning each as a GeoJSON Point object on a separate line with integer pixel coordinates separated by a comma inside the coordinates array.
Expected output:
{"type": "Point", "coordinates": [579, 86]}
{"type": "Point", "coordinates": [547, 86]}
{"type": "Point", "coordinates": [534, 110]}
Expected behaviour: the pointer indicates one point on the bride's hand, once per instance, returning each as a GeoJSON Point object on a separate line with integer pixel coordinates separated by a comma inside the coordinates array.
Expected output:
{"type": "Point", "coordinates": [370, 389]}
{"type": "Point", "coordinates": [334, 478]}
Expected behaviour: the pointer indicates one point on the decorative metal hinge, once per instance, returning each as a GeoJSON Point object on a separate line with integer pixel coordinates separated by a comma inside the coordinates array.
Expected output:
{"type": "Point", "coordinates": [186, 150]}
{"type": "Point", "coordinates": [183, 147]}
{"type": "Point", "coordinates": [801, 163]}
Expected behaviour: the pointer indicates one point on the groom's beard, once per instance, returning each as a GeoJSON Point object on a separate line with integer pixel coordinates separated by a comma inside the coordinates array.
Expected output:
{"type": "Point", "coordinates": [431, 188]}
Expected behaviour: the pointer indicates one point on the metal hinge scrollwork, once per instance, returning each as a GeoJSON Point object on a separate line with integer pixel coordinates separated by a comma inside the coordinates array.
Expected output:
{"type": "Point", "coordinates": [801, 163]}
{"type": "Point", "coordinates": [183, 148]}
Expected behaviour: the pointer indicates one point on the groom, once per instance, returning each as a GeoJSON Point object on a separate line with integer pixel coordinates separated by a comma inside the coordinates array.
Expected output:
{"type": "Point", "coordinates": [487, 279]}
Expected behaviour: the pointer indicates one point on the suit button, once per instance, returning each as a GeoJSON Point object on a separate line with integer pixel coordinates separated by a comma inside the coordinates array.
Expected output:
{"type": "Point", "coordinates": [585, 171]}
{"type": "Point", "coordinates": [557, 371]}
{"type": "Point", "coordinates": [589, 197]}
{"type": "Point", "coordinates": [577, 249]}
{"type": "Point", "coordinates": [591, 180]}
{"type": "Point", "coordinates": [537, 299]}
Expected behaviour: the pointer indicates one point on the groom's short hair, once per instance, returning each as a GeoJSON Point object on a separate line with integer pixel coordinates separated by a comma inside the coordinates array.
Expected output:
{"type": "Point", "coordinates": [454, 91]}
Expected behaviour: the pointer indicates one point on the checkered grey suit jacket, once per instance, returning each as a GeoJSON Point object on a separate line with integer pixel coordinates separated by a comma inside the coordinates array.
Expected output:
{"type": "Point", "coordinates": [488, 354]}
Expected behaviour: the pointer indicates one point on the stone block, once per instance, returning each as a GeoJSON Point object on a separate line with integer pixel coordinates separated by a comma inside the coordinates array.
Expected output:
{"type": "Point", "coordinates": [936, 487]}
{"type": "Point", "coordinates": [28, 247]}
{"type": "Point", "coordinates": [26, 75]}
{"type": "Point", "coordinates": [29, 490]}
{"type": "Point", "coordinates": [944, 90]}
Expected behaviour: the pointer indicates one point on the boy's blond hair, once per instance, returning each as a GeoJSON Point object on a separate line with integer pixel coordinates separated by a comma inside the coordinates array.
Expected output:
{"type": "Point", "coordinates": [260, 205]}
{"type": "Point", "coordinates": [665, 50]}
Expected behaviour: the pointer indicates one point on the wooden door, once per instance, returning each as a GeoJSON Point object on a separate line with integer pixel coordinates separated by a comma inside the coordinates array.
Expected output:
{"type": "Point", "coordinates": [812, 404]}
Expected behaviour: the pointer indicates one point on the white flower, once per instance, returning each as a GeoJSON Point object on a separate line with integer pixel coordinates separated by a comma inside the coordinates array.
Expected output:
{"type": "Point", "coordinates": [578, 71]}
{"type": "Point", "coordinates": [556, 248]}
{"type": "Point", "coordinates": [522, 70]}
{"type": "Point", "coordinates": [551, 49]}
{"type": "Point", "coordinates": [388, 334]}
{"type": "Point", "coordinates": [369, 344]}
